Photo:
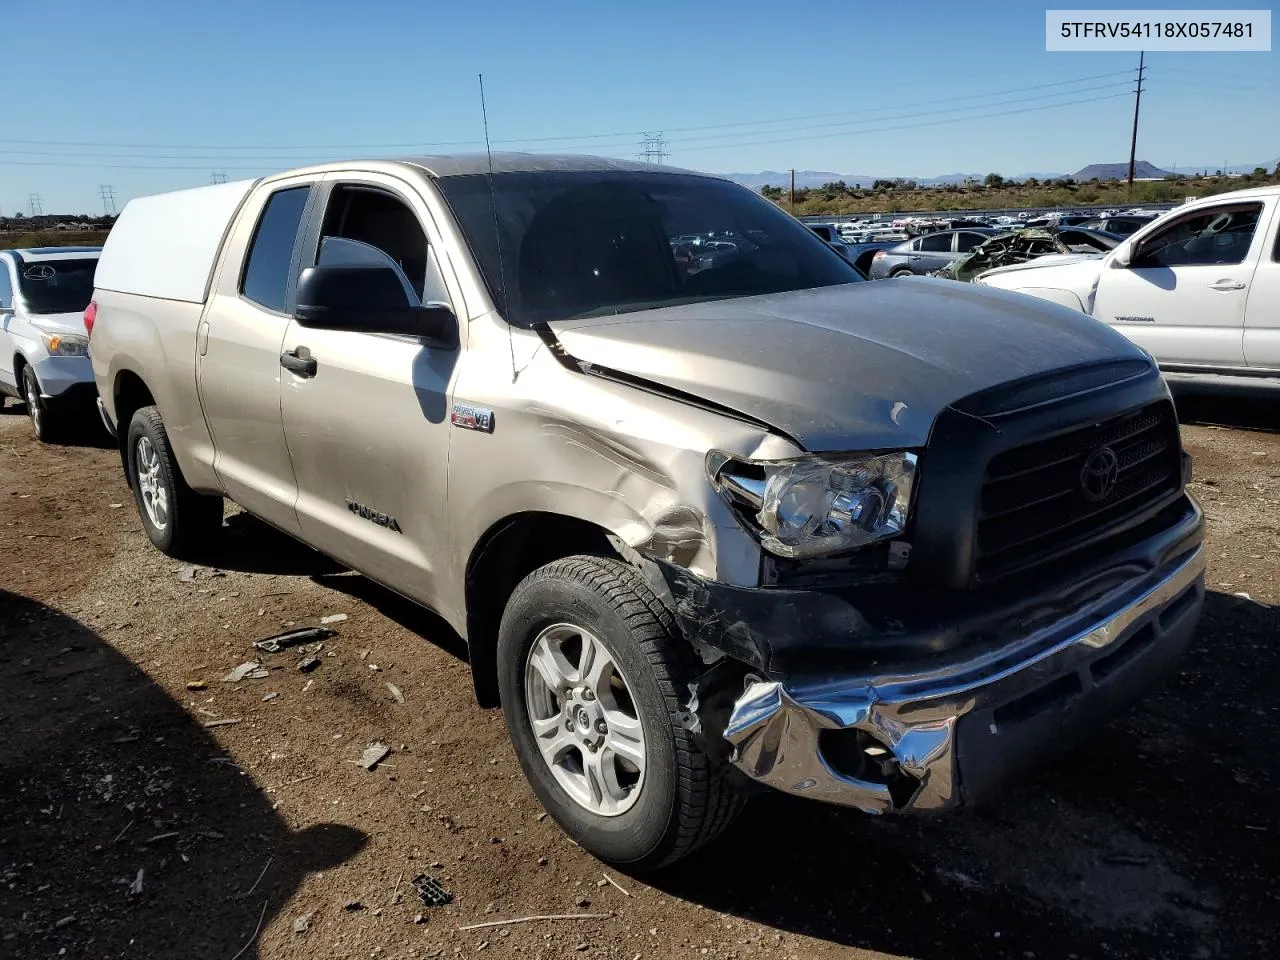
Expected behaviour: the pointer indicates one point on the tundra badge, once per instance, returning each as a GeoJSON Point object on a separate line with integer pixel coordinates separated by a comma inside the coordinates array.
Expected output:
{"type": "Point", "coordinates": [373, 516]}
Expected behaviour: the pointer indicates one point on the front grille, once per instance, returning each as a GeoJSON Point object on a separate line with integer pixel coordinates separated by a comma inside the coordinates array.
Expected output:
{"type": "Point", "coordinates": [1034, 506]}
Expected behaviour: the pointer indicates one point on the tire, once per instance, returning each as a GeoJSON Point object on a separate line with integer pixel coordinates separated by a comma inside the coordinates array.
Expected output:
{"type": "Point", "coordinates": [179, 521]}
{"type": "Point", "coordinates": [682, 798]}
{"type": "Point", "coordinates": [903, 272]}
{"type": "Point", "coordinates": [46, 423]}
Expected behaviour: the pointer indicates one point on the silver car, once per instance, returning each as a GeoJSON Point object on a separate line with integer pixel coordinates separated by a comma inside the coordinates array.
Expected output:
{"type": "Point", "coordinates": [44, 350]}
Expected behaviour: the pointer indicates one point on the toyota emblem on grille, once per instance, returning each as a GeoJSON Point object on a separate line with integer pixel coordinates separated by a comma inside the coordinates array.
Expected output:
{"type": "Point", "coordinates": [1099, 473]}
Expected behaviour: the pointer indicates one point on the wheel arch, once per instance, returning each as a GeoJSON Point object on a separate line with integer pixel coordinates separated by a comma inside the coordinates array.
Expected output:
{"type": "Point", "coordinates": [129, 394]}
{"type": "Point", "coordinates": [510, 550]}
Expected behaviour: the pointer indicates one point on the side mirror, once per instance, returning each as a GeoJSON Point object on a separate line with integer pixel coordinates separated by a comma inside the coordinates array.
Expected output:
{"type": "Point", "coordinates": [369, 299]}
{"type": "Point", "coordinates": [1122, 255]}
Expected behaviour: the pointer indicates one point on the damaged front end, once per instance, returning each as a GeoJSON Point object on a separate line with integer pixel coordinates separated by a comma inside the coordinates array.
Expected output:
{"type": "Point", "coordinates": [1004, 250]}
{"type": "Point", "coordinates": [931, 735]}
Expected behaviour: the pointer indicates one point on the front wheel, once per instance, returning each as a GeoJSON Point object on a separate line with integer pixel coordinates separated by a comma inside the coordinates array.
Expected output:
{"type": "Point", "coordinates": [177, 520]}
{"type": "Point", "coordinates": [591, 672]}
{"type": "Point", "coordinates": [45, 423]}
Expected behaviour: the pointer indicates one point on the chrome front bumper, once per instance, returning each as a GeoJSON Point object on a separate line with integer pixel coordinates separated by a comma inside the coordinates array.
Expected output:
{"type": "Point", "coordinates": [963, 723]}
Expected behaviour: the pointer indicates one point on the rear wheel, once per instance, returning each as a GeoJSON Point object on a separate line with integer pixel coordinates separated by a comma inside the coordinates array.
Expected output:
{"type": "Point", "coordinates": [45, 423]}
{"type": "Point", "coordinates": [902, 272]}
{"type": "Point", "coordinates": [591, 672]}
{"type": "Point", "coordinates": [177, 520]}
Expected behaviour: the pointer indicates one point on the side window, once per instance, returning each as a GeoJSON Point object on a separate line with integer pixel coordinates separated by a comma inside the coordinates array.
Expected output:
{"type": "Point", "coordinates": [1215, 237]}
{"type": "Point", "coordinates": [266, 271]}
{"type": "Point", "coordinates": [6, 286]}
{"type": "Point", "coordinates": [372, 218]}
{"type": "Point", "coordinates": [967, 241]}
{"type": "Point", "coordinates": [936, 243]}
{"type": "Point", "coordinates": [915, 244]}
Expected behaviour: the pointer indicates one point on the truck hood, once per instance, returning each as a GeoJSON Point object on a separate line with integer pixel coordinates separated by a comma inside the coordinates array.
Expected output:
{"type": "Point", "coordinates": [860, 366]}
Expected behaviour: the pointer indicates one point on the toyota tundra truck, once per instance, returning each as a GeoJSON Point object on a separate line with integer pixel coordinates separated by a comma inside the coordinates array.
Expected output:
{"type": "Point", "coordinates": [755, 524]}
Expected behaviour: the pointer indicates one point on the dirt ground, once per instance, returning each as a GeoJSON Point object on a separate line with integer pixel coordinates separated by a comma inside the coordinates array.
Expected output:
{"type": "Point", "coordinates": [134, 824]}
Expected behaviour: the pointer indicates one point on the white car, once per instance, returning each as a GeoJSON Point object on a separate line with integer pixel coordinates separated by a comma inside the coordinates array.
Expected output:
{"type": "Point", "coordinates": [44, 350]}
{"type": "Point", "coordinates": [1198, 288]}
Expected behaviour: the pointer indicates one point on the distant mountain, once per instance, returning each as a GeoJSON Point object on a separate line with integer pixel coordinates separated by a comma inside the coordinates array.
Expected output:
{"type": "Point", "coordinates": [804, 178]}
{"type": "Point", "coordinates": [1103, 171]}
{"type": "Point", "coordinates": [1119, 171]}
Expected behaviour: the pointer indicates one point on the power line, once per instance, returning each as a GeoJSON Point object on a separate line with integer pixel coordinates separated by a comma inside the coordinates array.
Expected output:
{"type": "Point", "coordinates": [218, 176]}
{"type": "Point", "coordinates": [37, 208]}
{"type": "Point", "coordinates": [108, 195]}
{"type": "Point", "coordinates": [909, 116]}
{"type": "Point", "coordinates": [650, 142]}
{"type": "Point", "coordinates": [653, 149]}
{"type": "Point", "coordinates": [629, 135]}
{"type": "Point", "coordinates": [909, 126]}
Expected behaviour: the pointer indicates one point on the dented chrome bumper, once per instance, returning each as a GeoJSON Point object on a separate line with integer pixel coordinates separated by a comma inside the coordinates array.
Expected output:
{"type": "Point", "coordinates": [935, 736]}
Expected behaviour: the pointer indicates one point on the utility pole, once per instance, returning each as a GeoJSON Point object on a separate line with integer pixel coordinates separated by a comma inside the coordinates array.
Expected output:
{"type": "Point", "coordinates": [653, 148]}
{"type": "Point", "coordinates": [1137, 102]}
{"type": "Point", "coordinates": [218, 176]}
{"type": "Point", "coordinates": [108, 195]}
{"type": "Point", "coordinates": [793, 189]}
{"type": "Point", "coordinates": [37, 208]}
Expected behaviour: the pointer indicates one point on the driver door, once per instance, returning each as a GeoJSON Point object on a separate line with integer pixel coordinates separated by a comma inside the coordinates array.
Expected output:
{"type": "Point", "coordinates": [366, 421]}
{"type": "Point", "coordinates": [1183, 294]}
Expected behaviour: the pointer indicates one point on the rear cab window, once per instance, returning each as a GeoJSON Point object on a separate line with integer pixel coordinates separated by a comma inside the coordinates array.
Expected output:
{"type": "Point", "coordinates": [266, 272]}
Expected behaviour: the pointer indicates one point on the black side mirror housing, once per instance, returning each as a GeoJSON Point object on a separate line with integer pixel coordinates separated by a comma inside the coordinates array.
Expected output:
{"type": "Point", "coordinates": [369, 299]}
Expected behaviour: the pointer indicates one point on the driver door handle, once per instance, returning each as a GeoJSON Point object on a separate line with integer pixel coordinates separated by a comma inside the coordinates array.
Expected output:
{"type": "Point", "coordinates": [299, 362]}
{"type": "Point", "coordinates": [1227, 285]}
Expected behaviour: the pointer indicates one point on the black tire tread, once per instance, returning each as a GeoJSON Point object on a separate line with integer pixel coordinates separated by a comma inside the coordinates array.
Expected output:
{"type": "Point", "coordinates": [708, 802]}
{"type": "Point", "coordinates": [194, 516]}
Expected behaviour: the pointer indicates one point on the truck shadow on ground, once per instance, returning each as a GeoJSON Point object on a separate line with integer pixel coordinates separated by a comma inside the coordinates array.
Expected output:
{"type": "Point", "coordinates": [124, 828]}
{"type": "Point", "coordinates": [1157, 837]}
{"type": "Point", "coordinates": [85, 431]}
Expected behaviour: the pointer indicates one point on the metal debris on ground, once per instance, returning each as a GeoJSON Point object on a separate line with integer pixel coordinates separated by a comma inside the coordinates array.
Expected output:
{"type": "Point", "coordinates": [248, 669]}
{"type": "Point", "coordinates": [334, 618]}
{"type": "Point", "coordinates": [308, 685]}
{"type": "Point", "coordinates": [197, 685]}
{"type": "Point", "coordinates": [186, 574]}
{"type": "Point", "coordinates": [269, 697]}
{"type": "Point", "coordinates": [373, 755]}
{"type": "Point", "coordinates": [396, 693]}
{"type": "Point", "coordinates": [430, 892]}
{"type": "Point", "coordinates": [209, 724]}
{"type": "Point", "coordinates": [307, 664]}
{"type": "Point", "coordinates": [135, 888]}
{"type": "Point", "coordinates": [293, 638]}
{"type": "Point", "coordinates": [302, 924]}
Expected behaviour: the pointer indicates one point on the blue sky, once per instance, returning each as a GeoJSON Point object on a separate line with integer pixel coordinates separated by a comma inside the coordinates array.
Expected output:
{"type": "Point", "coordinates": [149, 96]}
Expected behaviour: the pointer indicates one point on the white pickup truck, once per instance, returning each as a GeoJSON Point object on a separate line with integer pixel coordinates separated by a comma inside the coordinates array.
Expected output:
{"type": "Point", "coordinates": [1198, 288]}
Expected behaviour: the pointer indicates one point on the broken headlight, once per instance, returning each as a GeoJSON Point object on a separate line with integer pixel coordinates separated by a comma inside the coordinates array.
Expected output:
{"type": "Point", "coordinates": [815, 506]}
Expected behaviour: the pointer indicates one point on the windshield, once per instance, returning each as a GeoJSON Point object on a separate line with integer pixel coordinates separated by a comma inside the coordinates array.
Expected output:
{"type": "Point", "coordinates": [57, 286]}
{"type": "Point", "coordinates": [605, 242]}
